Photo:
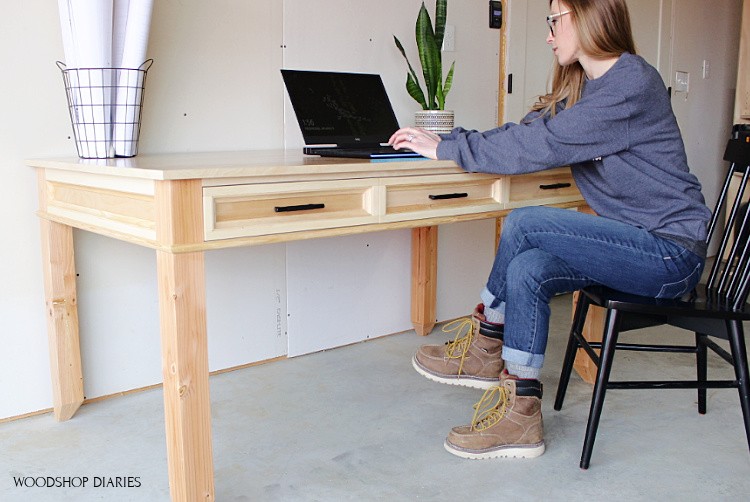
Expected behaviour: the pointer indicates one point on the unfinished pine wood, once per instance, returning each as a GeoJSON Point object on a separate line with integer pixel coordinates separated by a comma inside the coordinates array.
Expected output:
{"type": "Point", "coordinates": [539, 188]}
{"type": "Point", "coordinates": [502, 74]}
{"type": "Point", "coordinates": [423, 278]}
{"type": "Point", "coordinates": [134, 209]}
{"type": "Point", "coordinates": [62, 318]}
{"type": "Point", "coordinates": [185, 371]}
{"type": "Point", "coordinates": [182, 311]}
{"type": "Point", "coordinates": [114, 197]}
{"type": "Point", "coordinates": [118, 207]}
{"type": "Point", "coordinates": [251, 210]}
{"type": "Point", "coordinates": [61, 302]}
{"type": "Point", "coordinates": [252, 166]}
{"type": "Point", "coordinates": [409, 198]}
{"type": "Point", "coordinates": [274, 238]}
{"type": "Point", "coordinates": [134, 185]}
{"type": "Point", "coordinates": [742, 96]}
{"type": "Point", "coordinates": [498, 230]}
{"type": "Point", "coordinates": [592, 331]}
{"type": "Point", "coordinates": [128, 213]}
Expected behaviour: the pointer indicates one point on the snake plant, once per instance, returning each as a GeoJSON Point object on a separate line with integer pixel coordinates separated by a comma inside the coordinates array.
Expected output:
{"type": "Point", "coordinates": [429, 45]}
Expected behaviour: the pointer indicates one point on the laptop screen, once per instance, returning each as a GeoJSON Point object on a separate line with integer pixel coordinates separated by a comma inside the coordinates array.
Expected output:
{"type": "Point", "coordinates": [345, 109]}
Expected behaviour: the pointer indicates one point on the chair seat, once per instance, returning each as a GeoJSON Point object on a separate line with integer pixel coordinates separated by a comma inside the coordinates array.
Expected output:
{"type": "Point", "coordinates": [694, 304]}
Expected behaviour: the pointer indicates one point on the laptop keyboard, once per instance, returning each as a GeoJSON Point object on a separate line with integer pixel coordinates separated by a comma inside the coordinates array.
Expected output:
{"type": "Point", "coordinates": [373, 152]}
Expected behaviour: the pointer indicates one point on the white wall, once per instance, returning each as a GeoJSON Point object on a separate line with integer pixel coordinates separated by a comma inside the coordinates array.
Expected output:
{"type": "Point", "coordinates": [706, 31]}
{"type": "Point", "coordinates": [215, 85]}
{"type": "Point", "coordinates": [34, 116]}
{"type": "Point", "coordinates": [530, 59]}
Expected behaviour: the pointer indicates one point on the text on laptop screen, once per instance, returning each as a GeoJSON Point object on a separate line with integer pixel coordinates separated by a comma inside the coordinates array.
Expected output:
{"type": "Point", "coordinates": [340, 108]}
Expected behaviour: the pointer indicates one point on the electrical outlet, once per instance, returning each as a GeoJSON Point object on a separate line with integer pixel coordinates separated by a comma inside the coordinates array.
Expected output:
{"type": "Point", "coordinates": [682, 81]}
{"type": "Point", "coordinates": [449, 39]}
{"type": "Point", "coordinates": [706, 69]}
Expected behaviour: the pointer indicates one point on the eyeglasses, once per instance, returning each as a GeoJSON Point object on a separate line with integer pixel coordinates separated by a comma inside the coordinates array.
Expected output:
{"type": "Point", "coordinates": [552, 21]}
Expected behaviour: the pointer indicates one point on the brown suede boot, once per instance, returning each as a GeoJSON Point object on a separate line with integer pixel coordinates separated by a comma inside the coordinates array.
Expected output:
{"type": "Point", "coordinates": [471, 359]}
{"type": "Point", "coordinates": [507, 423]}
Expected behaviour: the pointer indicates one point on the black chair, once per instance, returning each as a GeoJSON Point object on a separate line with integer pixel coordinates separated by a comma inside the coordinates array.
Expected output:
{"type": "Point", "coordinates": [715, 309]}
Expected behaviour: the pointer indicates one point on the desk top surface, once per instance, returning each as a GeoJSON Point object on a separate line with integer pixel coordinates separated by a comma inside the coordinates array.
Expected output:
{"type": "Point", "coordinates": [256, 163]}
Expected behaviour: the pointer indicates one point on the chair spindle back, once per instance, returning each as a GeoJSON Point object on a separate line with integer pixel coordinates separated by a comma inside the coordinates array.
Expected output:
{"type": "Point", "coordinates": [729, 279]}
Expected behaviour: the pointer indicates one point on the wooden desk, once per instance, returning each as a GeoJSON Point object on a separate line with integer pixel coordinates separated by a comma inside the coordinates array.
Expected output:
{"type": "Point", "coordinates": [185, 204]}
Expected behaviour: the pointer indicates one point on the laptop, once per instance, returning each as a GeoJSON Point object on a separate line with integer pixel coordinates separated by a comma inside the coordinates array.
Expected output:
{"type": "Point", "coordinates": [349, 113]}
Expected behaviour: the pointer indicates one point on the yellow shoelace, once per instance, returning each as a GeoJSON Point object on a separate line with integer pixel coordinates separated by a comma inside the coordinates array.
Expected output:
{"type": "Point", "coordinates": [490, 409]}
{"type": "Point", "coordinates": [460, 345]}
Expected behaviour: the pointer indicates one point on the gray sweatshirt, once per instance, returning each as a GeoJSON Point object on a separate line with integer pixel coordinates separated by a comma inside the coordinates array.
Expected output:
{"type": "Point", "coordinates": [624, 147]}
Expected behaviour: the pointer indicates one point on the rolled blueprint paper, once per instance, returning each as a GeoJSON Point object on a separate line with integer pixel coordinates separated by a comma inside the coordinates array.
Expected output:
{"type": "Point", "coordinates": [131, 26]}
{"type": "Point", "coordinates": [87, 40]}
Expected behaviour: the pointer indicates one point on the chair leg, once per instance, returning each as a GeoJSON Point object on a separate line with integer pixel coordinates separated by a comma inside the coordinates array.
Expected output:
{"type": "Point", "coordinates": [609, 343]}
{"type": "Point", "coordinates": [739, 355]}
{"type": "Point", "coordinates": [579, 319]}
{"type": "Point", "coordinates": [702, 367]}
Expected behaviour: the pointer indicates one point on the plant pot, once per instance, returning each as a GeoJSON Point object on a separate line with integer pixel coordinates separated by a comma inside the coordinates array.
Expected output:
{"type": "Point", "coordinates": [437, 121]}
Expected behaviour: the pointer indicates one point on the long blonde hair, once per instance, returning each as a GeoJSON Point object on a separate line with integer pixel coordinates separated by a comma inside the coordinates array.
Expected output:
{"type": "Point", "coordinates": [604, 31]}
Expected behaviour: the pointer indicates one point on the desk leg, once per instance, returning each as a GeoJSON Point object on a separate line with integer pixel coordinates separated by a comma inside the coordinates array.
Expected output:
{"type": "Point", "coordinates": [182, 306]}
{"type": "Point", "coordinates": [499, 222]}
{"type": "Point", "coordinates": [592, 331]}
{"type": "Point", "coordinates": [423, 278]}
{"type": "Point", "coordinates": [62, 318]}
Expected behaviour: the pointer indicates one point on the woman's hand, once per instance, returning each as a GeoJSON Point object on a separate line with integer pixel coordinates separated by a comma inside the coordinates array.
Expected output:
{"type": "Point", "coordinates": [421, 141]}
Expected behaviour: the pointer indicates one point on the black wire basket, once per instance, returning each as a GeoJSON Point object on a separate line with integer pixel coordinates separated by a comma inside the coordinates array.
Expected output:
{"type": "Point", "coordinates": [105, 109]}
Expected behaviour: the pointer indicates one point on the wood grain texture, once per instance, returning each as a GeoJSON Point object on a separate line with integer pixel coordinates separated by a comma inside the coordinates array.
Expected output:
{"type": "Point", "coordinates": [182, 312]}
{"type": "Point", "coordinates": [61, 303]}
{"type": "Point", "coordinates": [423, 278]}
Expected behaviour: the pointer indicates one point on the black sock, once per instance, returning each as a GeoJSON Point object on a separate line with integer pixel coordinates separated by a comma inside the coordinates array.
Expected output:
{"type": "Point", "coordinates": [491, 330]}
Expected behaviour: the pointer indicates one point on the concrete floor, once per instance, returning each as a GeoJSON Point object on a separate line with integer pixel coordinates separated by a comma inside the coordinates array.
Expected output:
{"type": "Point", "coordinates": [358, 423]}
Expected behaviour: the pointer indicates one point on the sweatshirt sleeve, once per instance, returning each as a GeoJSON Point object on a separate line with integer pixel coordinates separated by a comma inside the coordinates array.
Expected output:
{"type": "Point", "coordinates": [459, 131]}
{"type": "Point", "coordinates": [596, 126]}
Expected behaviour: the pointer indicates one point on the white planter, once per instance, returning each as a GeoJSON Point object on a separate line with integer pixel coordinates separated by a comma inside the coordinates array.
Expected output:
{"type": "Point", "coordinates": [437, 121]}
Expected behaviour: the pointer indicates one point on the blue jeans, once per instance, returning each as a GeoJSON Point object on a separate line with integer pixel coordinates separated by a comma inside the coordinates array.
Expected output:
{"type": "Point", "coordinates": [544, 251]}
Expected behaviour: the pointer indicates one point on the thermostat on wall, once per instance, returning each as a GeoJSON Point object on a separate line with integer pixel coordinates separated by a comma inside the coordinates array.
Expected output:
{"type": "Point", "coordinates": [496, 14]}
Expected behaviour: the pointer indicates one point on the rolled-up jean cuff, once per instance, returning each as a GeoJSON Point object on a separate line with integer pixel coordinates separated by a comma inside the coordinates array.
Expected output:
{"type": "Point", "coordinates": [490, 301]}
{"type": "Point", "coordinates": [516, 356]}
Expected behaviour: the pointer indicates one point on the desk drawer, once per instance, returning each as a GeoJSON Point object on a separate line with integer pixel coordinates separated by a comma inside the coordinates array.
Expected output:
{"type": "Point", "coordinates": [544, 187]}
{"type": "Point", "coordinates": [446, 195]}
{"type": "Point", "coordinates": [263, 209]}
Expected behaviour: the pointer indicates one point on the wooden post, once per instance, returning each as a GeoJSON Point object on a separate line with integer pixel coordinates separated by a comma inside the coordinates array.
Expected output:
{"type": "Point", "coordinates": [502, 92]}
{"type": "Point", "coordinates": [61, 302]}
{"type": "Point", "coordinates": [498, 231]}
{"type": "Point", "coordinates": [423, 278]}
{"type": "Point", "coordinates": [62, 318]}
{"type": "Point", "coordinates": [592, 331]}
{"type": "Point", "coordinates": [182, 308]}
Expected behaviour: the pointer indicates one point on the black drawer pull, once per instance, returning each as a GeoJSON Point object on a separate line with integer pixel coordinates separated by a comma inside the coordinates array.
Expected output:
{"type": "Point", "coordinates": [449, 196]}
{"type": "Point", "coordinates": [554, 186]}
{"type": "Point", "coordinates": [301, 207]}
